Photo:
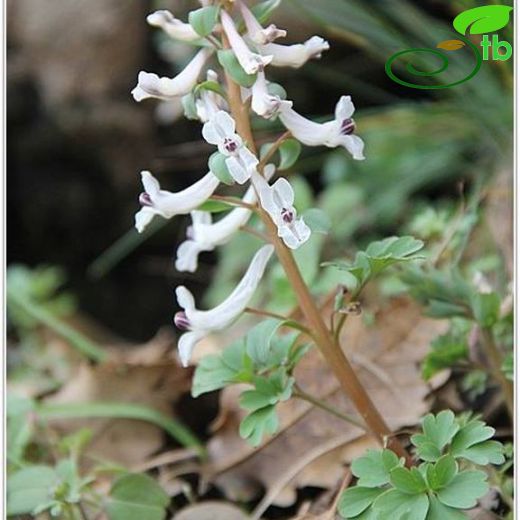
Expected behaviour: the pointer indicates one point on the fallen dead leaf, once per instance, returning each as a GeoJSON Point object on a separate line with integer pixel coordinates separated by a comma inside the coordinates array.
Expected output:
{"type": "Point", "coordinates": [211, 510]}
{"type": "Point", "coordinates": [145, 375]}
{"type": "Point", "coordinates": [312, 447]}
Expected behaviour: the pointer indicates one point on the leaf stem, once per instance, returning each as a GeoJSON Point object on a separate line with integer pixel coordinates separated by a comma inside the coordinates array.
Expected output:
{"type": "Point", "coordinates": [304, 396]}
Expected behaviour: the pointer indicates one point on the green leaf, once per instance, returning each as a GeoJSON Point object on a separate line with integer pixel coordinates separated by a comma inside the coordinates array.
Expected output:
{"type": "Point", "coordinates": [442, 472]}
{"type": "Point", "coordinates": [218, 167]}
{"type": "Point", "coordinates": [380, 255]}
{"type": "Point", "coordinates": [394, 504]}
{"type": "Point", "coordinates": [481, 20]}
{"type": "Point", "coordinates": [472, 443]}
{"type": "Point", "coordinates": [464, 490]}
{"type": "Point", "coordinates": [19, 428]}
{"type": "Point", "coordinates": [215, 206]}
{"type": "Point", "coordinates": [203, 20]}
{"type": "Point", "coordinates": [438, 511]}
{"type": "Point", "coordinates": [258, 341]}
{"type": "Point", "coordinates": [137, 497]}
{"type": "Point", "coordinates": [438, 432]}
{"type": "Point", "coordinates": [259, 423]}
{"type": "Point", "coordinates": [408, 481]}
{"type": "Point", "coordinates": [210, 85]}
{"type": "Point", "coordinates": [317, 220]}
{"type": "Point", "coordinates": [486, 308]}
{"type": "Point", "coordinates": [211, 374]}
{"type": "Point", "coordinates": [444, 352]}
{"type": "Point", "coordinates": [229, 61]}
{"type": "Point", "coordinates": [29, 488]}
{"type": "Point", "coordinates": [289, 152]}
{"type": "Point", "coordinates": [373, 468]}
{"type": "Point", "coordinates": [263, 10]}
{"type": "Point", "coordinates": [357, 499]}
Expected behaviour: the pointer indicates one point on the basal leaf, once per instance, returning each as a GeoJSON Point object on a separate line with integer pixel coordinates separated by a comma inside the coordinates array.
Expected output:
{"type": "Point", "coordinates": [357, 499]}
{"type": "Point", "coordinates": [464, 490]}
{"type": "Point", "coordinates": [394, 504]}
{"type": "Point", "coordinates": [259, 423]}
{"type": "Point", "coordinates": [409, 481]}
{"type": "Point", "coordinates": [438, 511]}
{"type": "Point", "coordinates": [442, 472]}
{"type": "Point", "coordinates": [373, 468]}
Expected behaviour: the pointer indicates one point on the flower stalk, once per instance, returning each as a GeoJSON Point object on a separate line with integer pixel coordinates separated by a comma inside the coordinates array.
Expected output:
{"type": "Point", "coordinates": [330, 349]}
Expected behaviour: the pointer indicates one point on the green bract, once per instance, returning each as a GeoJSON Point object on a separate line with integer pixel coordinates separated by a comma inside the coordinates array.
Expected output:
{"type": "Point", "coordinates": [203, 20]}
{"type": "Point", "coordinates": [230, 63]}
{"type": "Point", "coordinates": [435, 490]}
{"type": "Point", "coordinates": [218, 167]}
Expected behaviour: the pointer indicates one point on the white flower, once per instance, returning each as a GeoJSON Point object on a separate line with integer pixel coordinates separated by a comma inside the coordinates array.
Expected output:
{"type": "Point", "coordinates": [220, 131]}
{"type": "Point", "coordinates": [265, 104]}
{"type": "Point", "coordinates": [209, 102]}
{"type": "Point", "coordinates": [155, 201]}
{"type": "Point", "coordinates": [338, 132]}
{"type": "Point", "coordinates": [200, 323]}
{"type": "Point", "coordinates": [150, 85]}
{"type": "Point", "coordinates": [295, 55]}
{"type": "Point", "coordinates": [278, 201]}
{"type": "Point", "coordinates": [250, 61]}
{"type": "Point", "coordinates": [205, 235]}
{"type": "Point", "coordinates": [255, 31]}
{"type": "Point", "coordinates": [172, 26]}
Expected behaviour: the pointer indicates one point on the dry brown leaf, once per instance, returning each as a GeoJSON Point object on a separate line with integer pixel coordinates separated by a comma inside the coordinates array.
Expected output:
{"type": "Point", "coordinates": [147, 376]}
{"type": "Point", "coordinates": [211, 510]}
{"type": "Point", "coordinates": [312, 446]}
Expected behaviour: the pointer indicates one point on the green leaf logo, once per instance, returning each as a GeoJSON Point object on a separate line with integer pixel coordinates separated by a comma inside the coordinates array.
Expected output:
{"type": "Point", "coordinates": [480, 20]}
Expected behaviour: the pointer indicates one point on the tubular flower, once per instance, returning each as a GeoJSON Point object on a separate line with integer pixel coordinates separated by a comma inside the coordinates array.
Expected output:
{"type": "Point", "coordinates": [250, 61]}
{"type": "Point", "coordinates": [155, 201]}
{"type": "Point", "coordinates": [172, 26]}
{"type": "Point", "coordinates": [264, 104]}
{"type": "Point", "coordinates": [278, 201]}
{"type": "Point", "coordinates": [199, 323]}
{"type": "Point", "coordinates": [209, 102]}
{"type": "Point", "coordinates": [150, 85]}
{"type": "Point", "coordinates": [255, 31]}
{"type": "Point", "coordinates": [205, 235]}
{"type": "Point", "coordinates": [295, 55]}
{"type": "Point", "coordinates": [220, 131]}
{"type": "Point", "coordinates": [338, 132]}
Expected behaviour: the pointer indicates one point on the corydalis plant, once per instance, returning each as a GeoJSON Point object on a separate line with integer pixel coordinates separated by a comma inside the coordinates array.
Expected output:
{"type": "Point", "coordinates": [223, 86]}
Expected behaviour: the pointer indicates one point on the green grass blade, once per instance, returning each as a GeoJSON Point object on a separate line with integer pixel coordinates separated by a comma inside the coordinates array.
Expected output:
{"type": "Point", "coordinates": [114, 410]}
